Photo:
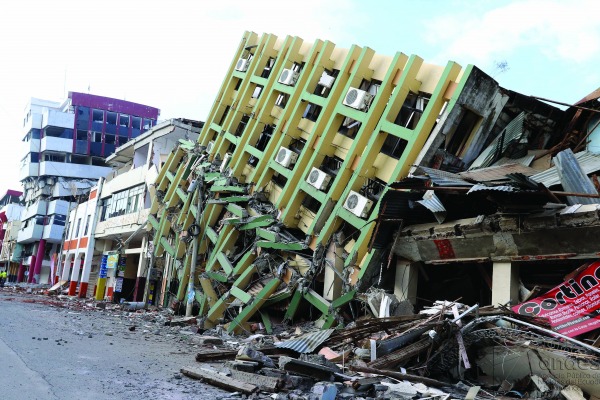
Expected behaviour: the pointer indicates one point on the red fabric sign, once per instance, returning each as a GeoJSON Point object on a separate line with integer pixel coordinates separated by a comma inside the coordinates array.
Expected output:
{"type": "Point", "coordinates": [573, 307]}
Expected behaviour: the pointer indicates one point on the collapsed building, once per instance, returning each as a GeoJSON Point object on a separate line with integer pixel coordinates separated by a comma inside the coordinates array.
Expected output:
{"type": "Point", "coordinates": [324, 173]}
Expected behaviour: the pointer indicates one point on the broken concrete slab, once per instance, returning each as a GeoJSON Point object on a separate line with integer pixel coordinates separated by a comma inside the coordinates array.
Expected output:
{"type": "Point", "coordinates": [306, 368]}
{"type": "Point", "coordinates": [219, 380]}
{"type": "Point", "coordinates": [264, 383]}
{"type": "Point", "coordinates": [247, 353]}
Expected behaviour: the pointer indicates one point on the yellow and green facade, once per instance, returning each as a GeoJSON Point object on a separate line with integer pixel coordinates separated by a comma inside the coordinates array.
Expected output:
{"type": "Point", "coordinates": [286, 109]}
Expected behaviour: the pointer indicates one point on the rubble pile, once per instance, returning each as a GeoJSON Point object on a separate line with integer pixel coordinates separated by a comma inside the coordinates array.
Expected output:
{"type": "Point", "coordinates": [447, 352]}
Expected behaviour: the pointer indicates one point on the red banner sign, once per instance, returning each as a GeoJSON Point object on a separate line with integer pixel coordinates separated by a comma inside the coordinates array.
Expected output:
{"type": "Point", "coordinates": [573, 307]}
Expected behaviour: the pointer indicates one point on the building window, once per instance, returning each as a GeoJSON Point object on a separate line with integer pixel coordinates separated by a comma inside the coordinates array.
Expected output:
{"type": "Point", "coordinates": [55, 157]}
{"type": "Point", "coordinates": [78, 226]}
{"type": "Point", "coordinates": [411, 111]}
{"type": "Point", "coordinates": [87, 225]}
{"type": "Point", "coordinates": [349, 127]}
{"type": "Point", "coordinates": [59, 219]}
{"type": "Point", "coordinates": [134, 199]}
{"type": "Point", "coordinates": [312, 112]}
{"type": "Point", "coordinates": [394, 146]}
{"type": "Point", "coordinates": [124, 202]}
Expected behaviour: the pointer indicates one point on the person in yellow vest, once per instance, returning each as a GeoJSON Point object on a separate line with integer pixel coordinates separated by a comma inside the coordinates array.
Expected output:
{"type": "Point", "coordinates": [2, 278]}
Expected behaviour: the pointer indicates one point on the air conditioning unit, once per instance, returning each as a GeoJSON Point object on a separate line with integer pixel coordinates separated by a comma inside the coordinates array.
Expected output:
{"type": "Point", "coordinates": [210, 146]}
{"type": "Point", "coordinates": [242, 65]}
{"type": "Point", "coordinates": [225, 162]}
{"type": "Point", "coordinates": [318, 179]}
{"type": "Point", "coordinates": [289, 77]}
{"type": "Point", "coordinates": [286, 157]}
{"type": "Point", "coordinates": [326, 80]}
{"type": "Point", "coordinates": [358, 99]}
{"type": "Point", "coordinates": [358, 204]}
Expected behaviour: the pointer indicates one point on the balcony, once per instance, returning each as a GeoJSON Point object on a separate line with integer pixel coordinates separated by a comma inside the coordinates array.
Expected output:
{"type": "Point", "coordinates": [31, 146]}
{"type": "Point", "coordinates": [122, 224]}
{"type": "Point", "coordinates": [125, 180]}
{"type": "Point", "coordinates": [53, 233]}
{"type": "Point", "coordinates": [58, 118]}
{"type": "Point", "coordinates": [54, 168]}
{"type": "Point", "coordinates": [56, 144]}
{"type": "Point", "coordinates": [37, 208]}
{"type": "Point", "coordinates": [31, 233]}
{"type": "Point", "coordinates": [28, 169]}
{"type": "Point", "coordinates": [35, 122]}
{"type": "Point", "coordinates": [58, 207]}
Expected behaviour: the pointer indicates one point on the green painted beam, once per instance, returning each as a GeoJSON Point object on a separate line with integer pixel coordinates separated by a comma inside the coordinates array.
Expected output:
{"type": "Point", "coordinates": [317, 300]}
{"type": "Point", "coordinates": [243, 263]}
{"type": "Point", "coordinates": [232, 199]}
{"type": "Point", "coordinates": [182, 195]}
{"type": "Point", "coordinates": [233, 139]}
{"type": "Point", "coordinates": [254, 305]}
{"type": "Point", "coordinates": [314, 192]}
{"type": "Point", "coordinates": [329, 321]}
{"type": "Point", "coordinates": [266, 319]}
{"type": "Point", "coordinates": [344, 299]}
{"type": "Point", "coordinates": [154, 222]}
{"type": "Point", "coordinates": [167, 246]}
{"type": "Point", "coordinates": [281, 246]}
{"type": "Point", "coordinates": [277, 298]}
{"type": "Point", "coordinates": [211, 176]}
{"type": "Point", "coordinates": [188, 167]}
{"type": "Point", "coordinates": [240, 294]}
{"type": "Point", "coordinates": [224, 188]}
{"type": "Point", "coordinates": [225, 263]}
{"type": "Point", "coordinates": [232, 221]}
{"type": "Point", "coordinates": [267, 234]}
{"type": "Point", "coordinates": [293, 307]}
{"type": "Point", "coordinates": [211, 234]}
{"type": "Point", "coordinates": [217, 276]}
{"type": "Point", "coordinates": [237, 210]}
{"type": "Point", "coordinates": [257, 222]}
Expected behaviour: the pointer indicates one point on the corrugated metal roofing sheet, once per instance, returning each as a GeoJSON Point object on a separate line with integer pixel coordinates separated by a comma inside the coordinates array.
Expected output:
{"type": "Point", "coordinates": [574, 179]}
{"type": "Point", "coordinates": [442, 178]}
{"type": "Point", "coordinates": [483, 188]}
{"type": "Point", "coordinates": [589, 163]}
{"type": "Point", "coordinates": [433, 204]}
{"type": "Point", "coordinates": [527, 160]}
{"type": "Point", "coordinates": [497, 173]}
{"type": "Point", "coordinates": [306, 343]}
{"type": "Point", "coordinates": [512, 132]}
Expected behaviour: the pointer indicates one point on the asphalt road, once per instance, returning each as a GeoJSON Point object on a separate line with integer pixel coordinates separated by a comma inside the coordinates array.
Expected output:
{"type": "Point", "coordinates": [49, 352]}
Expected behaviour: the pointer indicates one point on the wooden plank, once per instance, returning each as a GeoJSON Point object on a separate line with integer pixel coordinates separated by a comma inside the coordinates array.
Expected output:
{"type": "Point", "coordinates": [219, 380]}
{"type": "Point", "coordinates": [265, 383]}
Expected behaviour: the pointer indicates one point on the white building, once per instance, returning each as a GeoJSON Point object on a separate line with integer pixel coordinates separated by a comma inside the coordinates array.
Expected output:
{"type": "Point", "coordinates": [119, 219]}
{"type": "Point", "coordinates": [65, 148]}
{"type": "Point", "coordinates": [10, 223]}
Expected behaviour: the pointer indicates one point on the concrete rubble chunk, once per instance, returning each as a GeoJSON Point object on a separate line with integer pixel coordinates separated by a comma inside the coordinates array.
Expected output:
{"type": "Point", "coordinates": [247, 353]}
{"type": "Point", "coordinates": [572, 392]}
{"type": "Point", "coordinates": [306, 368]}
{"type": "Point", "coordinates": [539, 383]}
{"type": "Point", "coordinates": [210, 340]}
{"type": "Point", "coordinates": [324, 391]}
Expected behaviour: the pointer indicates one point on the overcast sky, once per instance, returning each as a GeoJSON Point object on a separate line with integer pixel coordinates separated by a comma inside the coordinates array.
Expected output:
{"type": "Point", "coordinates": [173, 54]}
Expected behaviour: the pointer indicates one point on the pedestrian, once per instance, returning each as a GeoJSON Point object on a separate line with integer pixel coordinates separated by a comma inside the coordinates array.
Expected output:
{"type": "Point", "coordinates": [2, 278]}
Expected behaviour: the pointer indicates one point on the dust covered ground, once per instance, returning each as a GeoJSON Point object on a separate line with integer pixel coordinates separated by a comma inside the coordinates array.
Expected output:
{"type": "Point", "coordinates": [55, 348]}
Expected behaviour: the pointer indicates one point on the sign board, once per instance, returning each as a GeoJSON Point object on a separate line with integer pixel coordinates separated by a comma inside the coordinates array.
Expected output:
{"type": "Point", "coordinates": [112, 260]}
{"type": "Point", "coordinates": [122, 265]}
{"type": "Point", "coordinates": [573, 307]}
{"type": "Point", "coordinates": [103, 268]}
{"type": "Point", "coordinates": [119, 285]}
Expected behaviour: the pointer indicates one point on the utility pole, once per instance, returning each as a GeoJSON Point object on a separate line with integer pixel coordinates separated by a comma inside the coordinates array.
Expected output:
{"type": "Point", "coordinates": [194, 230]}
